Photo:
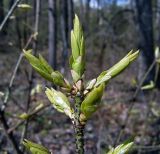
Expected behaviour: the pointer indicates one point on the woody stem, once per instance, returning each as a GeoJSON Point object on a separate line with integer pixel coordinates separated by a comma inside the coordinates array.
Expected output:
{"type": "Point", "coordinates": [78, 127]}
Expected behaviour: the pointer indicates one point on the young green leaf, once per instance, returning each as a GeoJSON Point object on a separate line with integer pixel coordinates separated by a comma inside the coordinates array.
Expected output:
{"type": "Point", "coordinates": [39, 65]}
{"type": "Point", "coordinates": [35, 148]}
{"type": "Point", "coordinates": [117, 68]}
{"type": "Point", "coordinates": [92, 101]}
{"type": "Point", "coordinates": [45, 70]}
{"type": "Point", "coordinates": [24, 116]}
{"type": "Point", "coordinates": [58, 79]}
{"type": "Point", "coordinates": [121, 149]}
{"type": "Point", "coordinates": [157, 53]}
{"type": "Point", "coordinates": [122, 64]}
{"type": "Point", "coordinates": [149, 86]}
{"type": "Point", "coordinates": [77, 62]}
{"type": "Point", "coordinates": [59, 101]}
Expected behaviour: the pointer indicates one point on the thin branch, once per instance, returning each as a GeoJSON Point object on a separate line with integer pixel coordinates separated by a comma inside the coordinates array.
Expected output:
{"type": "Point", "coordinates": [9, 135]}
{"type": "Point", "coordinates": [8, 91]}
{"type": "Point", "coordinates": [6, 98]}
{"type": "Point", "coordinates": [35, 43]}
{"type": "Point", "coordinates": [30, 115]}
{"type": "Point", "coordinates": [9, 14]}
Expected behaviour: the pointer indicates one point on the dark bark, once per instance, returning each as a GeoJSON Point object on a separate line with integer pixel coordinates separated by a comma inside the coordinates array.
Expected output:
{"type": "Point", "coordinates": [1, 16]}
{"type": "Point", "coordinates": [19, 35]}
{"type": "Point", "coordinates": [52, 33]}
{"type": "Point", "coordinates": [157, 76]}
{"type": "Point", "coordinates": [87, 15]}
{"type": "Point", "coordinates": [146, 43]}
{"type": "Point", "coordinates": [1, 11]}
{"type": "Point", "coordinates": [70, 15]}
{"type": "Point", "coordinates": [9, 14]}
{"type": "Point", "coordinates": [64, 31]}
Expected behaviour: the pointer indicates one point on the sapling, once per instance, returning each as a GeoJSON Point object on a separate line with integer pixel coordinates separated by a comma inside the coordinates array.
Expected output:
{"type": "Point", "coordinates": [87, 97]}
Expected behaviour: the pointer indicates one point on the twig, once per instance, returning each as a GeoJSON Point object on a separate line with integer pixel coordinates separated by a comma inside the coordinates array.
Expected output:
{"type": "Point", "coordinates": [9, 13]}
{"type": "Point", "coordinates": [9, 135]}
{"type": "Point", "coordinates": [8, 91]}
{"type": "Point", "coordinates": [6, 98]}
{"type": "Point", "coordinates": [32, 114]}
{"type": "Point", "coordinates": [36, 27]}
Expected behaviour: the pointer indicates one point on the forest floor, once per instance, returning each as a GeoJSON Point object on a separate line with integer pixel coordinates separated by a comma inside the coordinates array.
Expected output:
{"type": "Point", "coordinates": [54, 130]}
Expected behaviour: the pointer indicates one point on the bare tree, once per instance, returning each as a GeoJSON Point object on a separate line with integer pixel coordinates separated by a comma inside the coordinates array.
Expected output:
{"type": "Point", "coordinates": [52, 33]}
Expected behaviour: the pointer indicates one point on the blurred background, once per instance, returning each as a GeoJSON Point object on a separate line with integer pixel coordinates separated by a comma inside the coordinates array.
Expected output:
{"type": "Point", "coordinates": [130, 106]}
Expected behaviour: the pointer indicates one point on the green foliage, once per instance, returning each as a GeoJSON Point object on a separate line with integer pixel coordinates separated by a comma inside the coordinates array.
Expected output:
{"type": "Point", "coordinates": [59, 101]}
{"type": "Point", "coordinates": [24, 116]}
{"type": "Point", "coordinates": [122, 64]}
{"type": "Point", "coordinates": [35, 148]}
{"type": "Point", "coordinates": [149, 86]}
{"type": "Point", "coordinates": [121, 149]}
{"type": "Point", "coordinates": [94, 89]}
{"type": "Point", "coordinates": [24, 6]}
{"type": "Point", "coordinates": [89, 98]}
{"type": "Point", "coordinates": [77, 59]}
{"type": "Point", "coordinates": [45, 70]}
{"type": "Point", "coordinates": [92, 101]}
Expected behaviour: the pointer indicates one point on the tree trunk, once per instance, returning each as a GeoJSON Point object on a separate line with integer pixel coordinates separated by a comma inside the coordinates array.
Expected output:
{"type": "Point", "coordinates": [1, 16]}
{"type": "Point", "coordinates": [52, 33]}
{"type": "Point", "coordinates": [157, 76]}
{"type": "Point", "coordinates": [87, 15]}
{"type": "Point", "coordinates": [146, 42]}
{"type": "Point", "coordinates": [64, 31]}
{"type": "Point", "coordinates": [70, 15]}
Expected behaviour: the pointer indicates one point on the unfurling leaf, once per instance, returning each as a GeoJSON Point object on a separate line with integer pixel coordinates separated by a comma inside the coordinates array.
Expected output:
{"type": "Point", "coordinates": [157, 53]}
{"type": "Point", "coordinates": [45, 70]}
{"type": "Point", "coordinates": [121, 149]}
{"type": "Point", "coordinates": [24, 116]}
{"type": "Point", "coordinates": [91, 84]}
{"type": "Point", "coordinates": [59, 101]}
{"type": "Point", "coordinates": [35, 148]}
{"type": "Point", "coordinates": [117, 68]}
{"type": "Point", "coordinates": [40, 65]}
{"type": "Point", "coordinates": [149, 86]}
{"type": "Point", "coordinates": [24, 7]}
{"type": "Point", "coordinates": [92, 101]}
{"type": "Point", "coordinates": [77, 62]}
{"type": "Point", "coordinates": [37, 89]}
{"type": "Point", "coordinates": [58, 79]}
{"type": "Point", "coordinates": [122, 64]}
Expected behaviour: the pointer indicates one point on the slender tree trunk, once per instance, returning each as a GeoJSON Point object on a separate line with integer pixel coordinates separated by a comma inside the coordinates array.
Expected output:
{"type": "Point", "coordinates": [1, 15]}
{"type": "Point", "coordinates": [146, 43]}
{"type": "Point", "coordinates": [64, 31]}
{"type": "Point", "coordinates": [1, 11]}
{"type": "Point", "coordinates": [52, 33]}
{"type": "Point", "coordinates": [98, 11]}
{"type": "Point", "coordinates": [82, 11]}
{"type": "Point", "coordinates": [87, 15]}
{"type": "Point", "coordinates": [25, 20]}
{"type": "Point", "coordinates": [70, 15]}
{"type": "Point", "coordinates": [157, 77]}
{"type": "Point", "coordinates": [19, 35]}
